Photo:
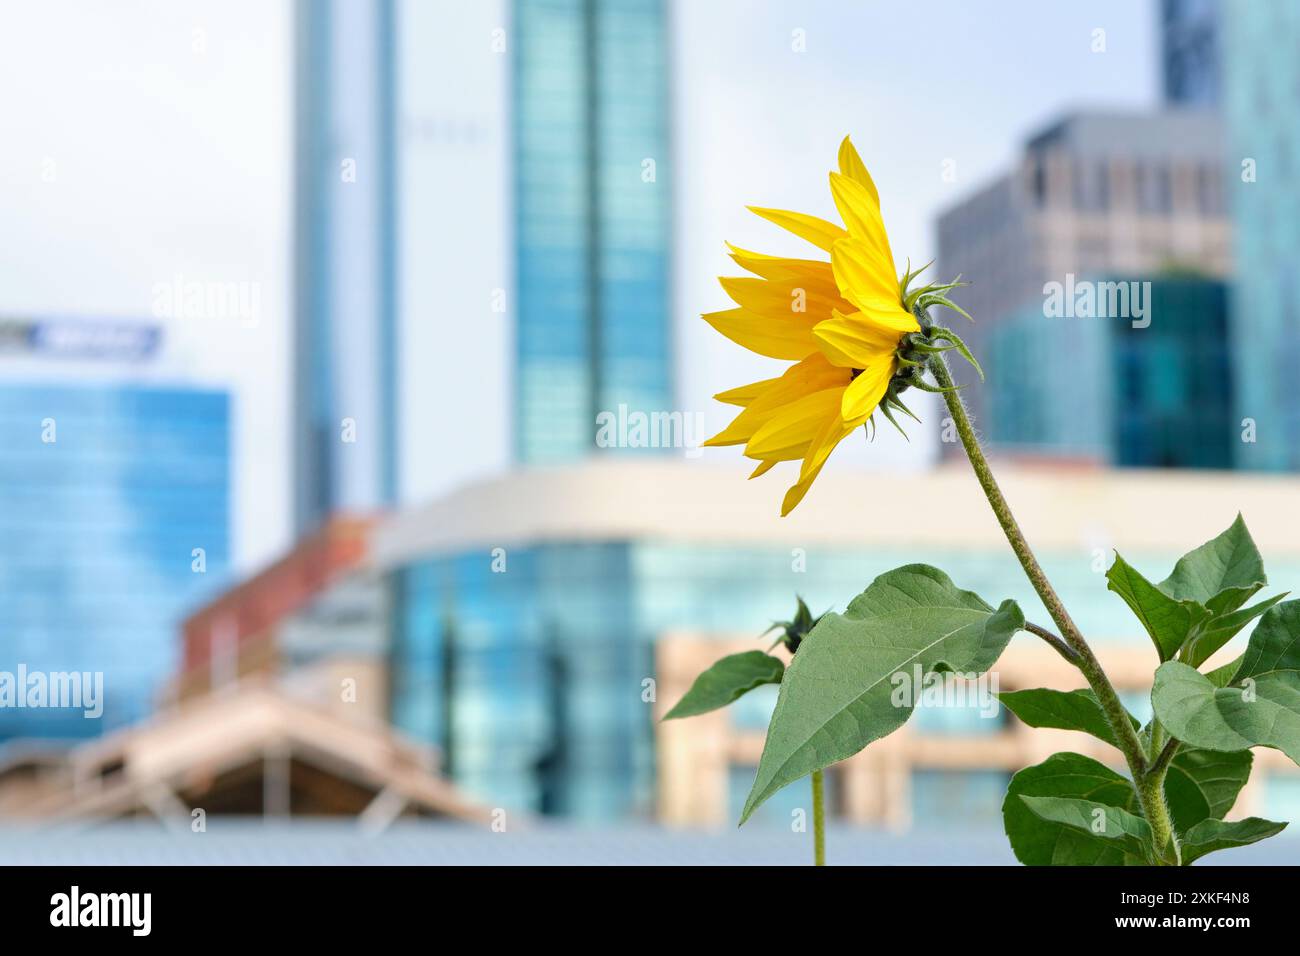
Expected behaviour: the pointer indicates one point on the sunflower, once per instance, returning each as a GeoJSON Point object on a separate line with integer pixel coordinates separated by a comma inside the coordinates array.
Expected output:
{"type": "Point", "coordinates": [847, 325]}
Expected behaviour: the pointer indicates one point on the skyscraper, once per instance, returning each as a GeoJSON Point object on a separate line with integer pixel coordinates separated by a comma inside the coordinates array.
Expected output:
{"type": "Point", "coordinates": [1191, 51]}
{"type": "Point", "coordinates": [1139, 194]}
{"type": "Point", "coordinates": [345, 273]}
{"type": "Point", "coordinates": [592, 191]}
{"type": "Point", "coordinates": [1261, 105]}
{"type": "Point", "coordinates": [115, 522]}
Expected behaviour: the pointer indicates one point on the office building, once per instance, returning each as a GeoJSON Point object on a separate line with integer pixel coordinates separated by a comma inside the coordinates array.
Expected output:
{"type": "Point", "coordinates": [1138, 194]}
{"type": "Point", "coordinates": [592, 194]}
{"type": "Point", "coordinates": [345, 215]}
{"type": "Point", "coordinates": [1191, 54]}
{"type": "Point", "coordinates": [1261, 107]}
{"type": "Point", "coordinates": [115, 522]}
{"type": "Point", "coordinates": [1154, 392]}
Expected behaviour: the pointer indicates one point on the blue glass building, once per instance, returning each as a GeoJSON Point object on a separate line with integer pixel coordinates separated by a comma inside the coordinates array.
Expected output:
{"type": "Point", "coordinates": [592, 219]}
{"type": "Point", "coordinates": [1261, 105]}
{"type": "Point", "coordinates": [108, 492]}
{"type": "Point", "coordinates": [1100, 388]}
{"type": "Point", "coordinates": [1191, 55]}
{"type": "Point", "coordinates": [345, 215]}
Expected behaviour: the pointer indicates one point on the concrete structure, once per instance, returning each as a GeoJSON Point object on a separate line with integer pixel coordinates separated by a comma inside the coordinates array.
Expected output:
{"type": "Point", "coordinates": [254, 749]}
{"type": "Point", "coordinates": [1138, 194]}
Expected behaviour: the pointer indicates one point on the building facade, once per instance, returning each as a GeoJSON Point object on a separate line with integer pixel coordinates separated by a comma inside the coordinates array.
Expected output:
{"type": "Point", "coordinates": [345, 282]}
{"type": "Point", "coordinates": [1139, 194]}
{"type": "Point", "coordinates": [592, 188]}
{"type": "Point", "coordinates": [1191, 52]}
{"type": "Point", "coordinates": [1261, 106]}
{"type": "Point", "coordinates": [1157, 394]}
{"type": "Point", "coordinates": [532, 614]}
{"type": "Point", "coordinates": [115, 523]}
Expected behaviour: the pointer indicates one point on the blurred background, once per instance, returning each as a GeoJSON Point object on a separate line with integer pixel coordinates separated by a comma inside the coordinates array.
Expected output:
{"type": "Point", "coordinates": [352, 384]}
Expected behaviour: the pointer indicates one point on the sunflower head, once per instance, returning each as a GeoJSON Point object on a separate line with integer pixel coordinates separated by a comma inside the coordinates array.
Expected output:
{"type": "Point", "coordinates": [856, 331]}
{"type": "Point", "coordinates": [794, 631]}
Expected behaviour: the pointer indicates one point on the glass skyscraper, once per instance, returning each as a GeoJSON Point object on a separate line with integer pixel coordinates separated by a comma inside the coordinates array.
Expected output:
{"type": "Point", "coordinates": [1191, 58]}
{"type": "Point", "coordinates": [114, 524]}
{"type": "Point", "coordinates": [1261, 105]}
{"type": "Point", "coordinates": [345, 413]}
{"type": "Point", "coordinates": [592, 218]}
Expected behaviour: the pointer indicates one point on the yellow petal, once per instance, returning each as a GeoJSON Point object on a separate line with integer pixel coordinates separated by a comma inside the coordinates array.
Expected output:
{"type": "Point", "coordinates": [763, 468]}
{"type": "Point", "coordinates": [784, 300]}
{"type": "Point", "coordinates": [861, 214]}
{"type": "Point", "coordinates": [797, 424]}
{"type": "Point", "coordinates": [819, 450]}
{"type": "Point", "coordinates": [865, 392]}
{"type": "Point", "coordinates": [853, 341]}
{"type": "Point", "coordinates": [790, 339]}
{"type": "Point", "coordinates": [862, 274]}
{"type": "Point", "coordinates": [819, 232]}
{"type": "Point", "coordinates": [811, 375]}
{"type": "Point", "coordinates": [851, 165]}
{"type": "Point", "coordinates": [744, 394]}
{"type": "Point", "coordinates": [812, 273]}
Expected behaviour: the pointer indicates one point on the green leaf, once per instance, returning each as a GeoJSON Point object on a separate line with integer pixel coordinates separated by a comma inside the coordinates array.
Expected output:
{"type": "Point", "coordinates": [1204, 784]}
{"type": "Point", "coordinates": [1222, 676]}
{"type": "Point", "coordinates": [1097, 820]}
{"type": "Point", "coordinates": [849, 684]}
{"type": "Point", "coordinates": [1211, 835]}
{"type": "Point", "coordinates": [1265, 712]}
{"type": "Point", "coordinates": [1062, 710]}
{"type": "Point", "coordinates": [1274, 644]}
{"type": "Point", "coordinates": [727, 680]}
{"type": "Point", "coordinates": [1212, 634]}
{"type": "Point", "coordinates": [1166, 619]}
{"type": "Point", "coordinates": [1221, 574]}
{"type": "Point", "coordinates": [1040, 842]}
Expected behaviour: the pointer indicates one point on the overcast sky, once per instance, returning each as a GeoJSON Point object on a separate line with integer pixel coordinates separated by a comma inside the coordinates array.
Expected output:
{"type": "Point", "coordinates": [167, 127]}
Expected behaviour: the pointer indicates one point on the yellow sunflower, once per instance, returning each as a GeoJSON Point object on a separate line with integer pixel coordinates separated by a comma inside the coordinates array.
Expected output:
{"type": "Point", "coordinates": [841, 322]}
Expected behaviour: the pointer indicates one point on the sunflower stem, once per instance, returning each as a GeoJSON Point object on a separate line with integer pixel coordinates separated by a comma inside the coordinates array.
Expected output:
{"type": "Point", "coordinates": [819, 818]}
{"type": "Point", "coordinates": [1148, 781]}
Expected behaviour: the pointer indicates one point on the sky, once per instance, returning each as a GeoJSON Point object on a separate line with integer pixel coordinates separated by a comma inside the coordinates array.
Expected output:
{"type": "Point", "coordinates": [157, 144]}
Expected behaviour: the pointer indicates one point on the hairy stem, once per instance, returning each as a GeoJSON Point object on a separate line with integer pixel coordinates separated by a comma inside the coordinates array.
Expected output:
{"type": "Point", "coordinates": [1053, 641]}
{"type": "Point", "coordinates": [819, 818]}
{"type": "Point", "coordinates": [1149, 790]}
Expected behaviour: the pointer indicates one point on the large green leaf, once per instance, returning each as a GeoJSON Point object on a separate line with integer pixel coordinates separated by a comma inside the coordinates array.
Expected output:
{"type": "Point", "coordinates": [1041, 842]}
{"type": "Point", "coordinates": [1212, 633]}
{"type": "Point", "coordinates": [1221, 574]}
{"type": "Point", "coordinates": [725, 681]}
{"type": "Point", "coordinates": [849, 684]}
{"type": "Point", "coordinates": [1167, 620]}
{"type": "Point", "coordinates": [1274, 645]}
{"type": "Point", "coordinates": [1265, 712]}
{"type": "Point", "coordinates": [1214, 835]}
{"type": "Point", "coordinates": [1097, 820]}
{"type": "Point", "coordinates": [1062, 710]}
{"type": "Point", "coordinates": [1203, 784]}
